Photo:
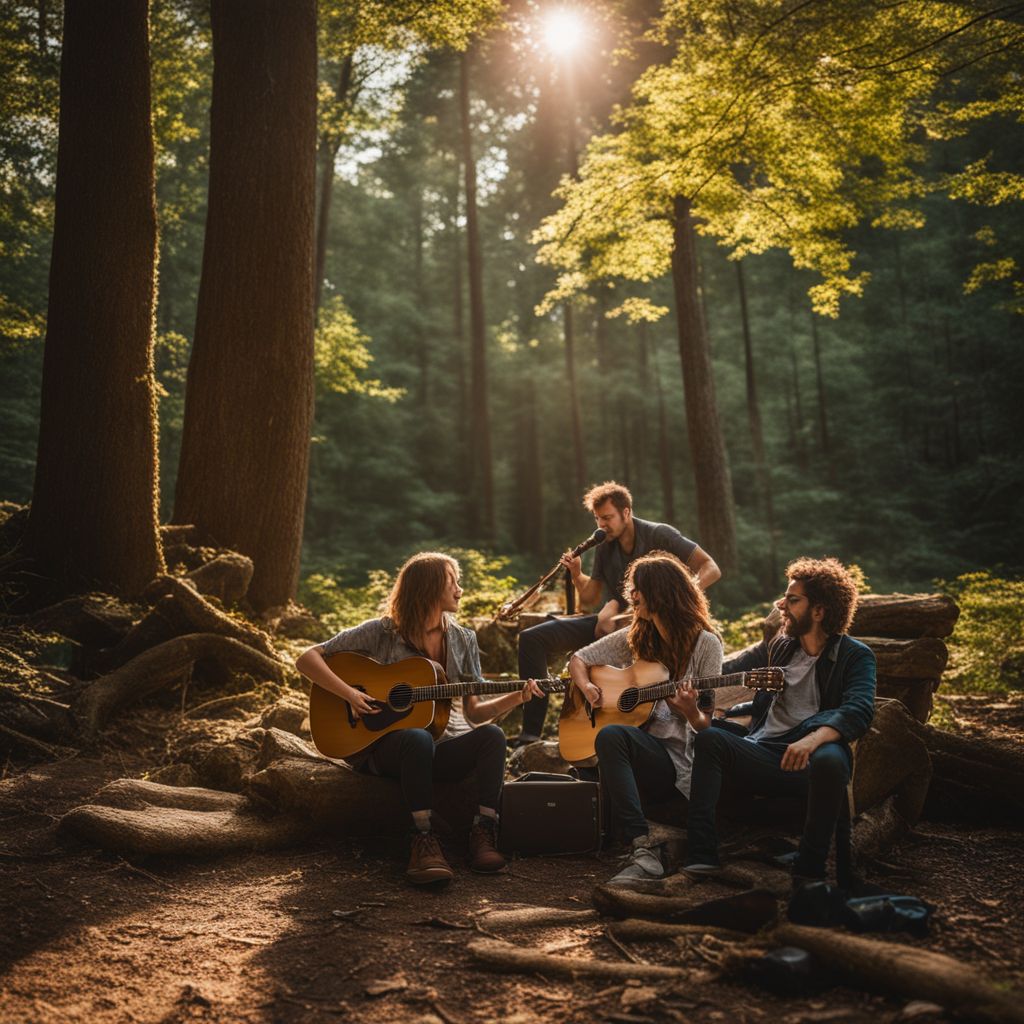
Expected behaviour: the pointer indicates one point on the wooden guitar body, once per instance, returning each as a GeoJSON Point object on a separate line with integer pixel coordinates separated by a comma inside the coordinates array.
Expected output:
{"type": "Point", "coordinates": [577, 731]}
{"type": "Point", "coordinates": [338, 732]}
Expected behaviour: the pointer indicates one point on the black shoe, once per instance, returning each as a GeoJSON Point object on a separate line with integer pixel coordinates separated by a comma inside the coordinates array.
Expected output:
{"type": "Point", "coordinates": [524, 739]}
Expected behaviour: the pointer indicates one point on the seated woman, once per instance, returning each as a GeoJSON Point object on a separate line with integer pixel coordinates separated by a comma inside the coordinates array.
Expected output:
{"type": "Point", "coordinates": [420, 622]}
{"type": "Point", "coordinates": [671, 625]}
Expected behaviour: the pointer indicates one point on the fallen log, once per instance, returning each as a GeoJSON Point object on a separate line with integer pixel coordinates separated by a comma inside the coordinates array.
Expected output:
{"type": "Point", "coordinates": [905, 615]}
{"type": "Point", "coordinates": [919, 658]}
{"type": "Point", "coordinates": [180, 832]}
{"type": "Point", "coordinates": [892, 760]}
{"type": "Point", "coordinates": [916, 695]}
{"type": "Point", "coordinates": [907, 972]}
{"type": "Point", "coordinates": [338, 797]}
{"type": "Point", "coordinates": [165, 664]}
{"type": "Point", "coordinates": [747, 911]}
{"type": "Point", "coordinates": [503, 956]}
{"type": "Point", "coordinates": [138, 794]}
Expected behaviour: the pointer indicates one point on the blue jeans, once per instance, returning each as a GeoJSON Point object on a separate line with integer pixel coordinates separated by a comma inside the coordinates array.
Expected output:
{"type": "Point", "coordinates": [631, 760]}
{"type": "Point", "coordinates": [722, 756]}
{"type": "Point", "coordinates": [556, 636]}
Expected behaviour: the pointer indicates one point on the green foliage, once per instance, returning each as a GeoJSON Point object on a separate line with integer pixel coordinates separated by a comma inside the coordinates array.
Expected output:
{"type": "Point", "coordinates": [341, 607]}
{"type": "Point", "coordinates": [784, 130]}
{"type": "Point", "coordinates": [987, 646]}
{"type": "Point", "coordinates": [483, 586]}
{"type": "Point", "coordinates": [744, 630]}
{"type": "Point", "coordinates": [341, 354]}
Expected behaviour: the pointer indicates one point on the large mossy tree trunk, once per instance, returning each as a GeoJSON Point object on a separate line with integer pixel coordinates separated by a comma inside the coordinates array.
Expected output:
{"type": "Point", "coordinates": [716, 521]}
{"type": "Point", "coordinates": [93, 519]}
{"type": "Point", "coordinates": [249, 398]}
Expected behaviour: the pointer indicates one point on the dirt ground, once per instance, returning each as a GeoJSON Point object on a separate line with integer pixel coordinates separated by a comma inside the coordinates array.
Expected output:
{"type": "Point", "coordinates": [330, 930]}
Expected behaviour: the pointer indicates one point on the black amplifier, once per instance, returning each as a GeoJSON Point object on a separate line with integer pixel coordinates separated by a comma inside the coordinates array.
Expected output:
{"type": "Point", "coordinates": [546, 813]}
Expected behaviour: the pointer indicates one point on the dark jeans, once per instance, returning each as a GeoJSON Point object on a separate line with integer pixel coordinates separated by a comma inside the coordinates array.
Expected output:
{"type": "Point", "coordinates": [632, 761]}
{"type": "Point", "coordinates": [411, 756]}
{"type": "Point", "coordinates": [721, 756]}
{"type": "Point", "coordinates": [556, 636]}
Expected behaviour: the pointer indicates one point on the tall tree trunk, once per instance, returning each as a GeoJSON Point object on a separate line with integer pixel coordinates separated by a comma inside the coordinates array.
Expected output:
{"type": "Point", "coordinates": [530, 504]}
{"type": "Point", "coordinates": [826, 447]}
{"type": "Point", "coordinates": [94, 506]}
{"type": "Point", "coordinates": [575, 419]}
{"type": "Point", "coordinates": [482, 488]}
{"type": "Point", "coordinates": [330, 143]}
{"type": "Point", "coordinates": [716, 519]}
{"type": "Point", "coordinates": [249, 398]}
{"type": "Point", "coordinates": [668, 501]}
{"type": "Point", "coordinates": [756, 431]}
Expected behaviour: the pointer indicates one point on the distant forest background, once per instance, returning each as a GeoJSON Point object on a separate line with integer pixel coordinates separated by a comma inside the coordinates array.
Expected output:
{"type": "Point", "coordinates": [884, 428]}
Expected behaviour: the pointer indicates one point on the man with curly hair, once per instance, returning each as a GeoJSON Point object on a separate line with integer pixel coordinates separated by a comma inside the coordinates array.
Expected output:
{"type": "Point", "coordinates": [798, 740]}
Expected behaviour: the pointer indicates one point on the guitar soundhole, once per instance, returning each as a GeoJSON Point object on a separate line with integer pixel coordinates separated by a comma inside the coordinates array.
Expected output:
{"type": "Point", "coordinates": [400, 696]}
{"type": "Point", "coordinates": [629, 699]}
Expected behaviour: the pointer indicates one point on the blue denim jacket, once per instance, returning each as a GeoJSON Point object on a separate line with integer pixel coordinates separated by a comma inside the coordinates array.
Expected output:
{"type": "Point", "coordinates": [845, 673]}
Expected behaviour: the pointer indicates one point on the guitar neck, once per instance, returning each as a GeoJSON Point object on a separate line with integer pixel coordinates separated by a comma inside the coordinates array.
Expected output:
{"type": "Point", "coordinates": [649, 694]}
{"type": "Point", "coordinates": [488, 688]}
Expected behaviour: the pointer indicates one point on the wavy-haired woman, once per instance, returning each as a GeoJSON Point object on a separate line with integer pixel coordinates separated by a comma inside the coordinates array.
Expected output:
{"type": "Point", "coordinates": [672, 625]}
{"type": "Point", "coordinates": [420, 622]}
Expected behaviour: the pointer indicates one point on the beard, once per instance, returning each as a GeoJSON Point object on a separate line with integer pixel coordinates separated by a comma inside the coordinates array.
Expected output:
{"type": "Point", "coordinates": [797, 627]}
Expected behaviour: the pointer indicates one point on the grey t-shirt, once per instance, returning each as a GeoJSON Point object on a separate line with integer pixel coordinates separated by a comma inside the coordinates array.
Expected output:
{"type": "Point", "coordinates": [798, 700]}
{"type": "Point", "coordinates": [611, 562]}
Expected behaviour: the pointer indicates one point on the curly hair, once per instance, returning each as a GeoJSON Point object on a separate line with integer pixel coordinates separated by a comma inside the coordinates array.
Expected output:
{"type": "Point", "coordinates": [829, 585]}
{"type": "Point", "coordinates": [617, 494]}
{"type": "Point", "coordinates": [670, 591]}
{"type": "Point", "coordinates": [418, 589]}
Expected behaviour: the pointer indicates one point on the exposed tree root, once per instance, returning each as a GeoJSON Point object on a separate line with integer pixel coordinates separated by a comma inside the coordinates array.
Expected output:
{"type": "Point", "coordinates": [226, 577]}
{"type": "Point", "coordinates": [530, 917]}
{"type": "Point", "coordinates": [503, 956]}
{"type": "Point", "coordinates": [747, 911]}
{"type": "Point", "coordinates": [634, 930]}
{"type": "Point", "coordinates": [167, 663]}
{"type": "Point", "coordinates": [908, 972]}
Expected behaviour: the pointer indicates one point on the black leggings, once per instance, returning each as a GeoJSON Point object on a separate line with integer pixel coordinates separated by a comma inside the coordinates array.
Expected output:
{"type": "Point", "coordinates": [411, 756]}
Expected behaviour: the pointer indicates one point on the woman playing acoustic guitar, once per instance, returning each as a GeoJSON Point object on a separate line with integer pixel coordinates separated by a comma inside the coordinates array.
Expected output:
{"type": "Point", "coordinates": [420, 622]}
{"type": "Point", "coordinates": [671, 625]}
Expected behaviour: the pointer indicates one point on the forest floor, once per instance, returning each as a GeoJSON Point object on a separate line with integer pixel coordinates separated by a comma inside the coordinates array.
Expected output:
{"type": "Point", "coordinates": [331, 931]}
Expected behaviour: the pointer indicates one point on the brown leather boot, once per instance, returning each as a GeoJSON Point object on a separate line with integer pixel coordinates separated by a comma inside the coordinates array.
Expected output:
{"type": "Point", "coordinates": [483, 854]}
{"type": "Point", "coordinates": [426, 861]}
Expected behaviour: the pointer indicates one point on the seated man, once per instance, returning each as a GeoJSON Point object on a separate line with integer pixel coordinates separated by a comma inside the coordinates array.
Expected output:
{"type": "Point", "coordinates": [627, 538]}
{"type": "Point", "coordinates": [798, 743]}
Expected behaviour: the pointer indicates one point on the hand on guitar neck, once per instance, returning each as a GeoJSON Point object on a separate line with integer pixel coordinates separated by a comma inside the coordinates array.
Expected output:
{"type": "Point", "coordinates": [604, 695]}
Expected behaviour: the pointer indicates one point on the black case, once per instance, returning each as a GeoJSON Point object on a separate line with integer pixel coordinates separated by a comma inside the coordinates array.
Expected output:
{"type": "Point", "coordinates": [548, 813]}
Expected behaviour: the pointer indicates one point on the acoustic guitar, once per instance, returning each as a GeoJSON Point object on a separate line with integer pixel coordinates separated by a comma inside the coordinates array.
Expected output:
{"type": "Point", "coordinates": [411, 694]}
{"type": "Point", "coordinates": [628, 696]}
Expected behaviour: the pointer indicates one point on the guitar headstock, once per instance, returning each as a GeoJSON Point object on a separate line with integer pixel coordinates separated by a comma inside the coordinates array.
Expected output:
{"type": "Point", "coordinates": [771, 678]}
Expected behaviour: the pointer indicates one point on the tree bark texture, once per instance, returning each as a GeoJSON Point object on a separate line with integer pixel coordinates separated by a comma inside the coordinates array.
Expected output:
{"type": "Point", "coordinates": [715, 510]}
{"type": "Point", "coordinates": [906, 971]}
{"type": "Point", "coordinates": [905, 616]}
{"type": "Point", "coordinates": [327, 153]}
{"type": "Point", "coordinates": [764, 479]}
{"type": "Point", "coordinates": [93, 519]}
{"type": "Point", "coordinates": [249, 398]}
{"type": "Point", "coordinates": [480, 425]}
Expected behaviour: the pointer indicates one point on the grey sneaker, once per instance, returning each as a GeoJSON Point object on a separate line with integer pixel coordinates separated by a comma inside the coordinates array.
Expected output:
{"type": "Point", "coordinates": [643, 866]}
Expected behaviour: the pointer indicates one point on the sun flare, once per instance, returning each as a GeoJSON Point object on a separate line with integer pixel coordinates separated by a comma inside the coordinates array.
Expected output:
{"type": "Point", "coordinates": [563, 30]}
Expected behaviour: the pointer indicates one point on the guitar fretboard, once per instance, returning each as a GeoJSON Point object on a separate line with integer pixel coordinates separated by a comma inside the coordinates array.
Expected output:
{"type": "Point", "coordinates": [488, 688]}
{"type": "Point", "coordinates": [660, 690]}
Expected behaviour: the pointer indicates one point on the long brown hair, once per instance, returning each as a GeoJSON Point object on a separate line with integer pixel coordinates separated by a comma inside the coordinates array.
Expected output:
{"type": "Point", "coordinates": [417, 592]}
{"type": "Point", "coordinates": [670, 591]}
